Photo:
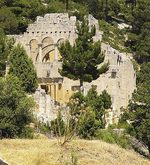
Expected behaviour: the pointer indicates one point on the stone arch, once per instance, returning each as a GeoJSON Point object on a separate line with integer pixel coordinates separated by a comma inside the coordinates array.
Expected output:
{"type": "Point", "coordinates": [49, 56]}
{"type": "Point", "coordinates": [47, 49]}
{"type": "Point", "coordinates": [47, 41]}
{"type": "Point", "coordinates": [33, 44]}
{"type": "Point", "coordinates": [60, 41]}
{"type": "Point", "coordinates": [33, 49]}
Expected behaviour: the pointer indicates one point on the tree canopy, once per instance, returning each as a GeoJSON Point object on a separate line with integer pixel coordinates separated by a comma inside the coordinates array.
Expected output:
{"type": "Point", "coordinates": [80, 61]}
{"type": "Point", "coordinates": [88, 112]}
{"type": "Point", "coordinates": [139, 108]}
{"type": "Point", "coordinates": [5, 48]}
{"type": "Point", "coordinates": [139, 40]}
{"type": "Point", "coordinates": [22, 67]}
{"type": "Point", "coordinates": [15, 108]}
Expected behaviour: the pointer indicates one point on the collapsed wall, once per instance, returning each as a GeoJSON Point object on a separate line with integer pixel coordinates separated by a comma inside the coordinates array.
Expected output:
{"type": "Point", "coordinates": [41, 41]}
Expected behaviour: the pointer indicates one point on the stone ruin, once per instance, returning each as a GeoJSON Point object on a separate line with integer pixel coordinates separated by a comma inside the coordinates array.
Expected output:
{"type": "Point", "coordinates": [41, 41]}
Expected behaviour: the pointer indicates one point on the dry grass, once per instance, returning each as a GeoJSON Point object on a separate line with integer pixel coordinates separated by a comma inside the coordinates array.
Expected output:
{"type": "Point", "coordinates": [49, 152]}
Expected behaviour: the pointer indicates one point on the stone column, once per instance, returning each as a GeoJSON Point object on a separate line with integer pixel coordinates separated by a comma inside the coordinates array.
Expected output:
{"type": "Point", "coordinates": [40, 53]}
{"type": "Point", "coordinates": [56, 52]}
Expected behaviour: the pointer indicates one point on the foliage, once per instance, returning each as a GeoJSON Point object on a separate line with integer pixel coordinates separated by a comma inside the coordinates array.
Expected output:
{"type": "Point", "coordinates": [139, 38]}
{"type": "Point", "coordinates": [110, 136]}
{"type": "Point", "coordinates": [113, 36]}
{"type": "Point", "coordinates": [15, 108]}
{"type": "Point", "coordinates": [139, 108]}
{"type": "Point", "coordinates": [22, 67]}
{"type": "Point", "coordinates": [80, 61]}
{"type": "Point", "coordinates": [106, 99]}
{"type": "Point", "coordinates": [87, 112]}
{"type": "Point", "coordinates": [57, 126]}
{"type": "Point", "coordinates": [98, 103]}
{"type": "Point", "coordinates": [5, 48]}
{"type": "Point", "coordinates": [56, 7]}
{"type": "Point", "coordinates": [43, 128]}
{"type": "Point", "coordinates": [15, 15]}
{"type": "Point", "coordinates": [98, 8]}
{"type": "Point", "coordinates": [88, 125]}
{"type": "Point", "coordinates": [95, 102]}
{"type": "Point", "coordinates": [8, 21]}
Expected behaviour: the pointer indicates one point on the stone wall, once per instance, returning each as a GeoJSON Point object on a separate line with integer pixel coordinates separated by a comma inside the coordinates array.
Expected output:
{"type": "Point", "coordinates": [41, 42]}
{"type": "Point", "coordinates": [119, 80]}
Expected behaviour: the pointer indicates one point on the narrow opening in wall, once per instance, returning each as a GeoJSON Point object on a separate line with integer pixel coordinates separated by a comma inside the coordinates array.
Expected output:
{"type": "Point", "coordinates": [59, 86]}
{"type": "Point", "coordinates": [113, 73]}
{"type": "Point", "coordinates": [45, 87]}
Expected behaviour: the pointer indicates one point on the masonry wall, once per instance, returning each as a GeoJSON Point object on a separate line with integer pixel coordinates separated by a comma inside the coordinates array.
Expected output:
{"type": "Point", "coordinates": [41, 41]}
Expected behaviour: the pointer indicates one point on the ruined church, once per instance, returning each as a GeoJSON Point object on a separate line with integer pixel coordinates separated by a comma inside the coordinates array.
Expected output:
{"type": "Point", "coordinates": [41, 41]}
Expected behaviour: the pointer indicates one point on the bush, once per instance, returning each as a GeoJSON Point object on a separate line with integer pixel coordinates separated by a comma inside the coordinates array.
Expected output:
{"type": "Point", "coordinates": [27, 133]}
{"type": "Point", "coordinates": [57, 126]}
{"type": "Point", "coordinates": [15, 108]}
{"type": "Point", "coordinates": [88, 125]}
{"type": "Point", "coordinates": [109, 136]}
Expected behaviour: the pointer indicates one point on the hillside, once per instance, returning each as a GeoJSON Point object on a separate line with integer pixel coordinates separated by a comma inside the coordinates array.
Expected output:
{"type": "Point", "coordinates": [77, 152]}
{"type": "Point", "coordinates": [38, 69]}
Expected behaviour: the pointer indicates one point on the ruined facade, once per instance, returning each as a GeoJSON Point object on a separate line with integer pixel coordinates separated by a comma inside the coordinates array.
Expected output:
{"type": "Point", "coordinates": [41, 41]}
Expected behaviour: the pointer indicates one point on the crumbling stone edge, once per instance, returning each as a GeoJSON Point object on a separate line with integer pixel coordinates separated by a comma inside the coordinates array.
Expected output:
{"type": "Point", "coordinates": [3, 162]}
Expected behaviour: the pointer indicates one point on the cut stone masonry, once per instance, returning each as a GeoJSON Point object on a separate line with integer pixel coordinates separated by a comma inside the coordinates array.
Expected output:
{"type": "Point", "coordinates": [41, 41]}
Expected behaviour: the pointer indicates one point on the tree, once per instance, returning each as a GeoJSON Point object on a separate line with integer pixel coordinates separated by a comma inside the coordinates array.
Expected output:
{"type": "Point", "coordinates": [106, 10]}
{"type": "Point", "coordinates": [98, 103]}
{"type": "Point", "coordinates": [87, 112]}
{"type": "Point", "coordinates": [8, 21]}
{"type": "Point", "coordinates": [15, 108]}
{"type": "Point", "coordinates": [22, 67]}
{"type": "Point", "coordinates": [88, 125]}
{"type": "Point", "coordinates": [133, 2]}
{"type": "Point", "coordinates": [139, 39]}
{"type": "Point", "coordinates": [66, 2]}
{"type": "Point", "coordinates": [80, 61]}
{"type": "Point", "coordinates": [106, 98]}
{"type": "Point", "coordinates": [5, 48]}
{"type": "Point", "coordinates": [139, 108]}
{"type": "Point", "coordinates": [143, 44]}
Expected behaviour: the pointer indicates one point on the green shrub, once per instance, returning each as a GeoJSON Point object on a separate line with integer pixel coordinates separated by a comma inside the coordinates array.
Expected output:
{"type": "Point", "coordinates": [110, 136]}
{"type": "Point", "coordinates": [43, 128]}
{"type": "Point", "coordinates": [57, 126]}
{"type": "Point", "coordinates": [106, 136]}
{"type": "Point", "coordinates": [27, 133]}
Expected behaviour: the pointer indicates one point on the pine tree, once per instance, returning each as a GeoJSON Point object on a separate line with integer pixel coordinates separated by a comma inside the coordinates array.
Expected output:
{"type": "Point", "coordinates": [106, 10]}
{"type": "Point", "coordinates": [22, 67]}
{"type": "Point", "coordinates": [5, 48]}
{"type": "Point", "coordinates": [15, 108]}
{"type": "Point", "coordinates": [80, 61]}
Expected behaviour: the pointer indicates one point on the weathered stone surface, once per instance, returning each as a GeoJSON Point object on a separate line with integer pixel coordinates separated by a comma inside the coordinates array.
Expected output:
{"type": "Point", "coordinates": [41, 41]}
{"type": "Point", "coordinates": [2, 162]}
